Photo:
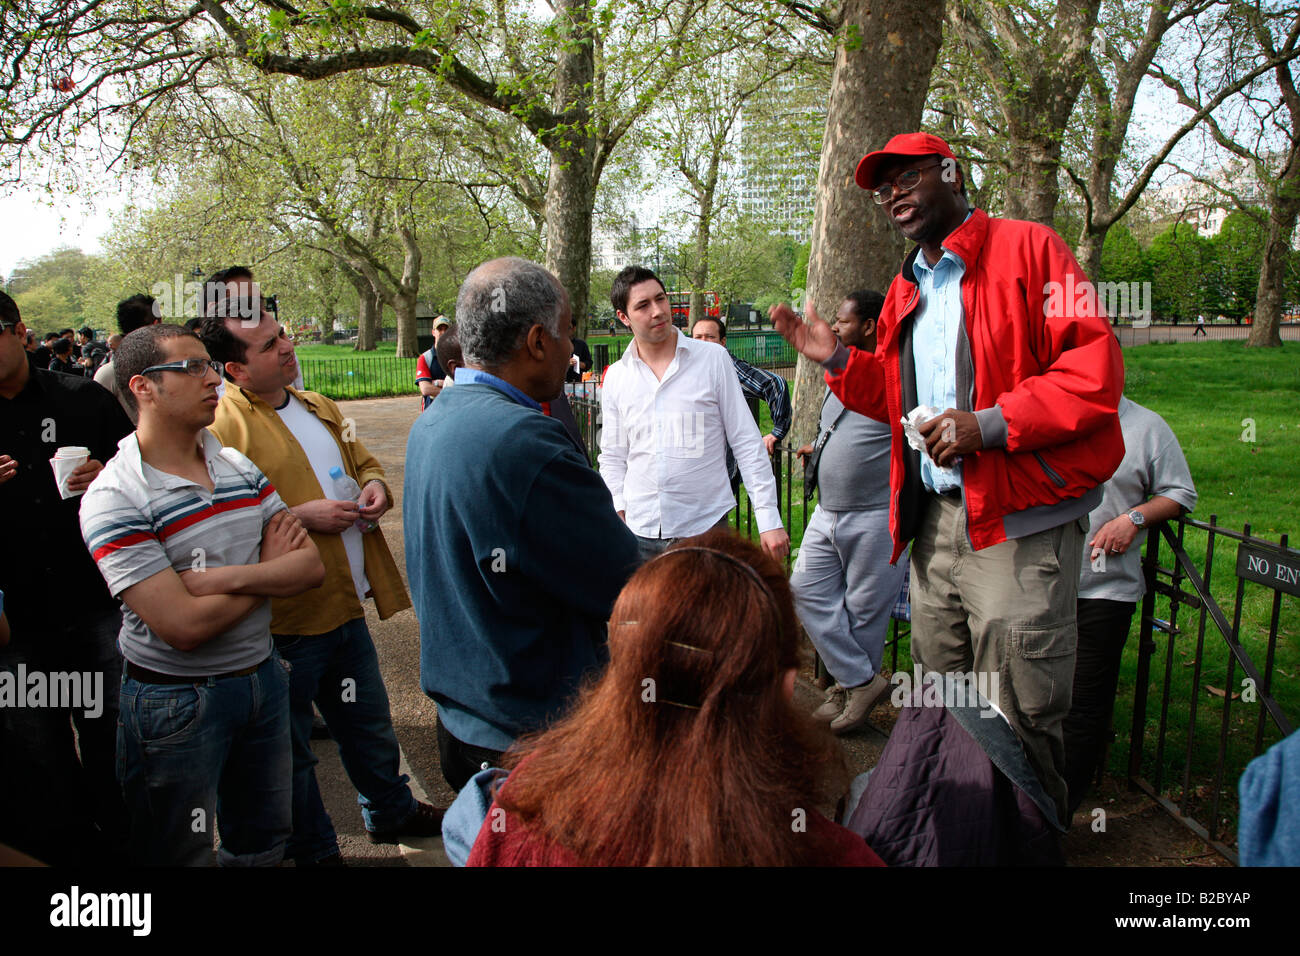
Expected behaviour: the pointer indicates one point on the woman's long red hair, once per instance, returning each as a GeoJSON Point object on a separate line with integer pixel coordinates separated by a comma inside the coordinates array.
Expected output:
{"type": "Point", "coordinates": [686, 750]}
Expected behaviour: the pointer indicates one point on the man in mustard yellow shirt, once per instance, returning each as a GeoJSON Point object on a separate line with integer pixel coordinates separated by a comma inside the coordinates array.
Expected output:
{"type": "Point", "coordinates": [297, 438]}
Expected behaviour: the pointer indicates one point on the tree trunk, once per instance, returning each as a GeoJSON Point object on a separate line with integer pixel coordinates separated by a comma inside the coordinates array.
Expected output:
{"type": "Point", "coordinates": [570, 200]}
{"type": "Point", "coordinates": [1283, 208]}
{"type": "Point", "coordinates": [571, 185]}
{"type": "Point", "coordinates": [404, 306]}
{"type": "Point", "coordinates": [700, 273]}
{"type": "Point", "coordinates": [1032, 191]}
{"type": "Point", "coordinates": [1264, 330]}
{"type": "Point", "coordinates": [1089, 251]}
{"type": "Point", "coordinates": [368, 307]}
{"type": "Point", "coordinates": [877, 90]}
{"type": "Point", "coordinates": [368, 319]}
{"type": "Point", "coordinates": [407, 294]}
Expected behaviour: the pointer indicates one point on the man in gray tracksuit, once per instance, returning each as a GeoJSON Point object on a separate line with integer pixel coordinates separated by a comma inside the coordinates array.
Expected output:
{"type": "Point", "coordinates": [843, 583]}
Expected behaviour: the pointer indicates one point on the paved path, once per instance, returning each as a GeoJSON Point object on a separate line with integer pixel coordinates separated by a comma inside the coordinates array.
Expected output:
{"type": "Point", "coordinates": [1136, 832]}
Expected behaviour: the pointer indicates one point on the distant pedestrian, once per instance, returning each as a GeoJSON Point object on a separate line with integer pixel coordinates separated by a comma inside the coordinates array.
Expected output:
{"type": "Point", "coordinates": [1200, 327]}
{"type": "Point", "coordinates": [64, 358]}
{"type": "Point", "coordinates": [133, 313]}
{"type": "Point", "coordinates": [449, 356]}
{"type": "Point", "coordinates": [429, 374]}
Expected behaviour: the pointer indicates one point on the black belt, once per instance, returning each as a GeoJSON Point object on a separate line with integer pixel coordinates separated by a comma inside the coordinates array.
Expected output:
{"type": "Point", "coordinates": [146, 676]}
{"type": "Point", "coordinates": [953, 494]}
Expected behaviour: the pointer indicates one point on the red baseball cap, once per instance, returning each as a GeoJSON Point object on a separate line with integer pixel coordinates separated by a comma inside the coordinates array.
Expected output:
{"type": "Point", "coordinates": [904, 144]}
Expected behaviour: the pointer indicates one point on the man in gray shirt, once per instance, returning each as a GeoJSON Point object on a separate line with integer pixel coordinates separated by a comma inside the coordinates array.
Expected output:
{"type": "Point", "coordinates": [843, 583]}
{"type": "Point", "coordinates": [193, 539]}
{"type": "Point", "coordinates": [1152, 484]}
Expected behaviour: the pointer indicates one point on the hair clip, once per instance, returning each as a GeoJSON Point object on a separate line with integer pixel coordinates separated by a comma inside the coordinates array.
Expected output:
{"type": "Point", "coordinates": [664, 700]}
{"type": "Point", "coordinates": [689, 647]}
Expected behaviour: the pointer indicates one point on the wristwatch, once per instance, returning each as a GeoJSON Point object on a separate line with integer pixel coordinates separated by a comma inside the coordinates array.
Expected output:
{"type": "Point", "coordinates": [1137, 518]}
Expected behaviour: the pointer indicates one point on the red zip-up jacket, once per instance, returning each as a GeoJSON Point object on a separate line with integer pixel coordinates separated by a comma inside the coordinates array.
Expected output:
{"type": "Point", "coordinates": [1037, 363]}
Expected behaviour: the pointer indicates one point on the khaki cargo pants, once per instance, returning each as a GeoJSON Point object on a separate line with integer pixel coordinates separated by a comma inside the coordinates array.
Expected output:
{"type": "Point", "coordinates": [1007, 610]}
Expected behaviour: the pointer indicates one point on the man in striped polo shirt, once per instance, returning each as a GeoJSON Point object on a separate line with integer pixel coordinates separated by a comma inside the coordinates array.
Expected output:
{"type": "Point", "coordinates": [193, 539]}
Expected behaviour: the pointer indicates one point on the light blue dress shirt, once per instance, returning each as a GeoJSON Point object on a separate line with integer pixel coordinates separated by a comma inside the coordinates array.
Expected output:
{"type": "Point", "coordinates": [934, 349]}
{"type": "Point", "coordinates": [476, 376]}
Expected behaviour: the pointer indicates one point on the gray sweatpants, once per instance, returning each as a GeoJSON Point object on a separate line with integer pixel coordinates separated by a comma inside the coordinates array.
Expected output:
{"type": "Point", "coordinates": [844, 588]}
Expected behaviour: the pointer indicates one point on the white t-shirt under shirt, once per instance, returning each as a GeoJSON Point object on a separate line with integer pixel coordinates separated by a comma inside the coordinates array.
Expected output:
{"type": "Point", "coordinates": [323, 453]}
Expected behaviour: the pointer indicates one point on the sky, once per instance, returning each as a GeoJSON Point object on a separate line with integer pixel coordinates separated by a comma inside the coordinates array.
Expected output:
{"type": "Point", "coordinates": [33, 226]}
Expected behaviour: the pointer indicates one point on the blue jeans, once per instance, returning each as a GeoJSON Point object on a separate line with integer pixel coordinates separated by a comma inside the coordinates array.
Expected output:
{"type": "Point", "coordinates": [217, 749]}
{"type": "Point", "coordinates": [339, 670]}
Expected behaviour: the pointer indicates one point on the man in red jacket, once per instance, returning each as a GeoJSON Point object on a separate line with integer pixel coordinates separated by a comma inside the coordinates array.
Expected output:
{"type": "Point", "coordinates": [992, 321]}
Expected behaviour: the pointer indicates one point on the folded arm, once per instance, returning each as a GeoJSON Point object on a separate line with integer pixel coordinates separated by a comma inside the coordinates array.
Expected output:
{"type": "Point", "coordinates": [183, 620]}
{"type": "Point", "coordinates": [290, 565]}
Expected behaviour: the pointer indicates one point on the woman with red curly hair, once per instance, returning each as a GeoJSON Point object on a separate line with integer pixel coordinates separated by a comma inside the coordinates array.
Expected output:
{"type": "Point", "coordinates": [687, 751]}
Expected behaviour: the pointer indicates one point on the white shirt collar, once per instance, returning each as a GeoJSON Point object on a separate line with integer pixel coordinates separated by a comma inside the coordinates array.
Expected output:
{"type": "Point", "coordinates": [684, 344]}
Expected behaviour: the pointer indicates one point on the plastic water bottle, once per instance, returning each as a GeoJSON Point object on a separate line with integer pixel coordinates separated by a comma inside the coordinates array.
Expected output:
{"type": "Point", "coordinates": [347, 489]}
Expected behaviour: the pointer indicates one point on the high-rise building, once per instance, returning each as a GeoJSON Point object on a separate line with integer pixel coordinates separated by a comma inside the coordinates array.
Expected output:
{"type": "Point", "coordinates": [780, 148]}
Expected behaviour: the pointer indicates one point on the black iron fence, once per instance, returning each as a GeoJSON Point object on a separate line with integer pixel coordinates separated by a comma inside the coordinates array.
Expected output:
{"type": "Point", "coordinates": [376, 376]}
{"type": "Point", "coordinates": [1187, 761]}
{"type": "Point", "coordinates": [360, 376]}
{"type": "Point", "coordinates": [1129, 335]}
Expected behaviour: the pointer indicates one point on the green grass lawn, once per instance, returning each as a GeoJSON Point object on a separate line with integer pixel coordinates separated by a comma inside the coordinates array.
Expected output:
{"type": "Point", "coordinates": [1211, 393]}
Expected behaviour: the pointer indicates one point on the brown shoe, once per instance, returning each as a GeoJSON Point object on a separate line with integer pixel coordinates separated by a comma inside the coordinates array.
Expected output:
{"type": "Point", "coordinates": [833, 706]}
{"type": "Point", "coordinates": [858, 704]}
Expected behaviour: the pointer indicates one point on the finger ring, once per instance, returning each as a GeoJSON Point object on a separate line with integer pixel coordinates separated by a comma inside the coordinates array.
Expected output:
{"type": "Point", "coordinates": [1114, 550]}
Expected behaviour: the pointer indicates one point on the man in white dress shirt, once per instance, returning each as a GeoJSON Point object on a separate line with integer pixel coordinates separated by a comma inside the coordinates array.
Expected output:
{"type": "Point", "coordinates": [670, 407]}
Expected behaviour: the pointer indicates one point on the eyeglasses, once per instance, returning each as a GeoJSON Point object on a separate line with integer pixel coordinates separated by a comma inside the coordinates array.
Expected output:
{"type": "Point", "coordinates": [8, 325]}
{"type": "Point", "coordinates": [905, 183]}
{"type": "Point", "coordinates": [196, 366]}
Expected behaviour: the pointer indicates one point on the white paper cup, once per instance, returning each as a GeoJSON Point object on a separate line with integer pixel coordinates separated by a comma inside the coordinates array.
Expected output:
{"type": "Point", "coordinates": [66, 460]}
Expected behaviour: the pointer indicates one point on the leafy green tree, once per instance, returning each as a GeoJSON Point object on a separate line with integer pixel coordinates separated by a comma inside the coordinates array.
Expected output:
{"type": "Point", "coordinates": [52, 291]}
{"type": "Point", "coordinates": [1237, 248]}
{"type": "Point", "coordinates": [1122, 258]}
{"type": "Point", "coordinates": [577, 80]}
{"type": "Point", "coordinates": [1181, 274]}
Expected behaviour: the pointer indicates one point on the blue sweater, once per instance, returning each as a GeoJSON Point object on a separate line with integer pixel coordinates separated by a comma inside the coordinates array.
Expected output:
{"type": "Point", "coordinates": [514, 555]}
{"type": "Point", "coordinates": [1267, 831]}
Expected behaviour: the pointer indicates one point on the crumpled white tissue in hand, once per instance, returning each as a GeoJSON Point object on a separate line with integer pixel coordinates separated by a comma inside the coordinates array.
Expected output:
{"type": "Point", "coordinates": [911, 422]}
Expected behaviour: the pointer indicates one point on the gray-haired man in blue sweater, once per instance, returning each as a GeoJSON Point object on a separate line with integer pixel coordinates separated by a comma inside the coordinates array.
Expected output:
{"type": "Point", "coordinates": [497, 502]}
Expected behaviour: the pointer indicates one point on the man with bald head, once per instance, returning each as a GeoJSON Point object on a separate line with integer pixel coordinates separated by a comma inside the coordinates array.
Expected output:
{"type": "Point", "coordinates": [498, 501]}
